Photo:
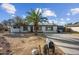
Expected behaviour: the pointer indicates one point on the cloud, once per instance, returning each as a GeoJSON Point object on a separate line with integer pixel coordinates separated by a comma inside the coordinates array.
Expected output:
{"type": "Point", "coordinates": [68, 19]}
{"type": "Point", "coordinates": [74, 11]}
{"type": "Point", "coordinates": [9, 8]}
{"type": "Point", "coordinates": [62, 23]}
{"type": "Point", "coordinates": [61, 19]}
{"type": "Point", "coordinates": [48, 12]}
{"type": "Point", "coordinates": [23, 16]}
{"type": "Point", "coordinates": [40, 10]}
{"type": "Point", "coordinates": [55, 21]}
{"type": "Point", "coordinates": [13, 15]}
{"type": "Point", "coordinates": [68, 14]}
{"type": "Point", "coordinates": [50, 21]}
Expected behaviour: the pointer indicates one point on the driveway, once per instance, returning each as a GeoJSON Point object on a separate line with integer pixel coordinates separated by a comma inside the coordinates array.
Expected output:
{"type": "Point", "coordinates": [68, 43]}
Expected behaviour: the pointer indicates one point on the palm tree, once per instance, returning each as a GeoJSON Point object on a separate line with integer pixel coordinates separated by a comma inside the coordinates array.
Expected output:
{"type": "Point", "coordinates": [35, 18]}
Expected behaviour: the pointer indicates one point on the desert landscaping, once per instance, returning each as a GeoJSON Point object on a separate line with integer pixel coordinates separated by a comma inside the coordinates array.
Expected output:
{"type": "Point", "coordinates": [22, 45]}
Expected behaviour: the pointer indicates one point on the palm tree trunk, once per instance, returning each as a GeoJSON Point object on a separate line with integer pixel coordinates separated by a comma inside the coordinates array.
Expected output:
{"type": "Point", "coordinates": [36, 28]}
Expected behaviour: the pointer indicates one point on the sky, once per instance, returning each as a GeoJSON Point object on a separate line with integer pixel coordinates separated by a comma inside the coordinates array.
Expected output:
{"type": "Point", "coordinates": [59, 13]}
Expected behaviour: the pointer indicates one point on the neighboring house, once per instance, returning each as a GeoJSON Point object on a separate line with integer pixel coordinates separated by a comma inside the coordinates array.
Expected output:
{"type": "Point", "coordinates": [43, 27]}
{"type": "Point", "coordinates": [73, 27]}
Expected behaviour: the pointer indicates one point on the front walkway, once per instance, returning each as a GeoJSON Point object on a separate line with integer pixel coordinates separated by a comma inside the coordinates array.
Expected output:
{"type": "Point", "coordinates": [66, 42]}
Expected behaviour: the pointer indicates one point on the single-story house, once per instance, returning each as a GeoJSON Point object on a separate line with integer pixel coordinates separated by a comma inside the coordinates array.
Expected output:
{"type": "Point", "coordinates": [43, 27]}
{"type": "Point", "coordinates": [73, 27]}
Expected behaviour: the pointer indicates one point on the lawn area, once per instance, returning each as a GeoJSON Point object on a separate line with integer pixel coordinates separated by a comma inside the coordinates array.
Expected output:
{"type": "Point", "coordinates": [23, 44]}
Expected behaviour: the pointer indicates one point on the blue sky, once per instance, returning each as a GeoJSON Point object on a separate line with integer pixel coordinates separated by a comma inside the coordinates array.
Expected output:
{"type": "Point", "coordinates": [60, 13]}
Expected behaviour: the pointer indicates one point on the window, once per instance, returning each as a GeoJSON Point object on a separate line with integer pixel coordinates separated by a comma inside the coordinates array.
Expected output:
{"type": "Point", "coordinates": [25, 28]}
{"type": "Point", "coordinates": [49, 28]}
{"type": "Point", "coordinates": [16, 26]}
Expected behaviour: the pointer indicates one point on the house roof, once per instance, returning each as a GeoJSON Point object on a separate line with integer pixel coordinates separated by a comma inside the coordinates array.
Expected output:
{"type": "Point", "coordinates": [45, 23]}
{"type": "Point", "coordinates": [73, 25]}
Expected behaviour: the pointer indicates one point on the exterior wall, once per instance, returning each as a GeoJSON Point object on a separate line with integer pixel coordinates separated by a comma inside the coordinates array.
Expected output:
{"type": "Point", "coordinates": [29, 29]}
{"type": "Point", "coordinates": [74, 28]}
{"type": "Point", "coordinates": [14, 29]}
{"type": "Point", "coordinates": [54, 29]}
{"type": "Point", "coordinates": [43, 28]}
{"type": "Point", "coordinates": [21, 29]}
{"type": "Point", "coordinates": [17, 29]}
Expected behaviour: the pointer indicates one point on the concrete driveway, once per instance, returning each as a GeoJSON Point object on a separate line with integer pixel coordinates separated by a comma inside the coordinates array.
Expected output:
{"type": "Point", "coordinates": [68, 43]}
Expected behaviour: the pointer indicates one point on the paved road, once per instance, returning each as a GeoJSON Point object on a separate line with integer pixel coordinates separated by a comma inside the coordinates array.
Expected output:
{"type": "Point", "coordinates": [66, 42]}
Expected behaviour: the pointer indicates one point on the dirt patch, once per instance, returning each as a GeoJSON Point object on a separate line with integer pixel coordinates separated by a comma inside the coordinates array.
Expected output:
{"type": "Point", "coordinates": [24, 45]}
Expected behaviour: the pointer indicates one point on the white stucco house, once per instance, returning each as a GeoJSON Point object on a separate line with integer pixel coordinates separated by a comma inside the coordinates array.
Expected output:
{"type": "Point", "coordinates": [43, 27]}
{"type": "Point", "coordinates": [73, 27]}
